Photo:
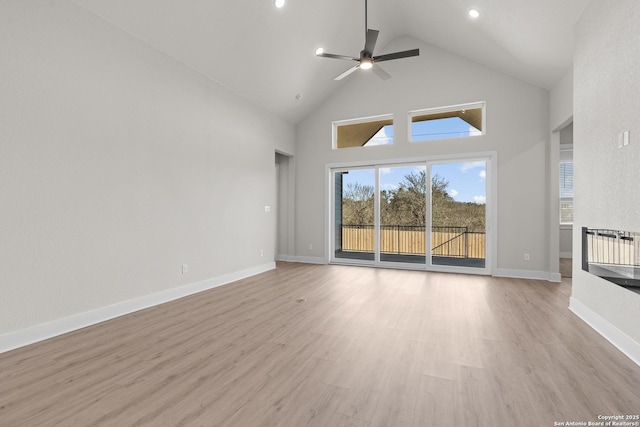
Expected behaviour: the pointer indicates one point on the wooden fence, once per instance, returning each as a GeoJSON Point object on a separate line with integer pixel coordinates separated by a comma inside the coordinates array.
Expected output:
{"type": "Point", "coordinates": [445, 241]}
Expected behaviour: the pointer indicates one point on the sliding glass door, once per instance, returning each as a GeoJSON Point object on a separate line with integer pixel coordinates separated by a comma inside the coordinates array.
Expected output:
{"type": "Point", "coordinates": [403, 208]}
{"type": "Point", "coordinates": [354, 214]}
{"type": "Point", "coordinates": [418, 215]}
{"type": "Point", "coordinates": [458, 214]}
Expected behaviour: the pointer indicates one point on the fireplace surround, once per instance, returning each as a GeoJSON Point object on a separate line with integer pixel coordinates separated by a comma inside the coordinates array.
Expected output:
{"type": "Point", "coordinates": [613, 255]}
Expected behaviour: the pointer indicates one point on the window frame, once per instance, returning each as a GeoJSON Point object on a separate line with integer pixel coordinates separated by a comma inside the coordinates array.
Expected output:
{"type": "Point", "coordinates": [561, 199]}
{"type": "Point", "coordinates": [450, 108]}
{"type": "Point", "coordinates": [337, 123]}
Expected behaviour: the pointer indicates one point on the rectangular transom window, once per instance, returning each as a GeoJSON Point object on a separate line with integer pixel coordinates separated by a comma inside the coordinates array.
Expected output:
{"type": "Point", "coordinates": [457, 121]}
{"type": "Point", "coordinates": [365, 132]}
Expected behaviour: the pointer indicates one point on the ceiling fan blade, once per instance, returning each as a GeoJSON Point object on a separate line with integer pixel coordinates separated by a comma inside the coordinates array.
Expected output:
{"type": "Point", "coordinates": [380, 72]}
{"type": "Point", "coordinates": [346, 73]}
{"type": "Point", "coordinates": [331, 55]}
{"type": "Point", "coordinates": [397, 55]}
{"type": "Point", "coordinates": [370, 42]}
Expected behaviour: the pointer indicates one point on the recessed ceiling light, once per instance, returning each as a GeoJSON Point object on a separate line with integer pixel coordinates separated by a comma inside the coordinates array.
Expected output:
{"type": "Point", "coordinates": [279, 3]}
{"type": "Point", "coordinates": [474, 13]}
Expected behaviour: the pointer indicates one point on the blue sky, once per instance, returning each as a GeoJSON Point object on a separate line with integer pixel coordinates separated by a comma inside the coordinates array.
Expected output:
{"type": "Point", "coordinates": [467, 180]}
{"type": "Point", "coordinates": [429, 130]}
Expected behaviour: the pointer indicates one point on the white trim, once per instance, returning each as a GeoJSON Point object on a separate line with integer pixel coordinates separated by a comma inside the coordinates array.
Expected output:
{"type": "Point", "coordinates": [568, 255]}
{"type": "Point", "coordinates": [448, 108]}
{"type": "Point", "coordinates": [612, 334]}
{"type": "Point", "coordinates": [306, 259]}
{"type": "Point", "coordinates": [554, 277]}
{"type": "Point", "coordinates": [527, 274]}
{"type": "Point", "coordinates": [563, 125]}
{"type": "Point", "coordinates": [64, 325]}
{"type": "Point", "coordinates": [337, 123]}
{"type": "Point", "coordinates": [450, 158]}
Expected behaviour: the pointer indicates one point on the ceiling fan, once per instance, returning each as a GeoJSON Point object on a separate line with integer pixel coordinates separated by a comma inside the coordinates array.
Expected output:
{"type": "Point", "coordinates": [367, 60]}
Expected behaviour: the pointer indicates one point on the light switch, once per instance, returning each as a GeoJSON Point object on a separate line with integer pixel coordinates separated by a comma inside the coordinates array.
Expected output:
{"type": "Point", "coordinates": [625, 137]}
{"type": "Point", "coordinates": [267, 208]}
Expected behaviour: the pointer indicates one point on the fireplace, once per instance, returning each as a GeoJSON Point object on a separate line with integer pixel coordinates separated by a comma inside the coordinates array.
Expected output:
{"type": "Point", "coordinates": [613, 255]}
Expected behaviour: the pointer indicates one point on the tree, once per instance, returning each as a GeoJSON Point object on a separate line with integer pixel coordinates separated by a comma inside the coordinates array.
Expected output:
{"type": "Point", "coordinates": [406, 205]}
{"type": "Point", "coordinates": [358, 204]}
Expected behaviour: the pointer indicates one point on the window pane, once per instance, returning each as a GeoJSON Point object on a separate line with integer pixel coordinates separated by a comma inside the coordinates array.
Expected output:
{"type": "Point", "coordinates": [364, 134]}
{"type": "Point", "coordinates": [458, 122]}
{"type": "Point", "coordinates": [458, 214]}
{"type": "Point", "coordinates": [566, 193]}
{"type": "Point", "coordinates": [566, 179]}
{"type": "Point", "coordinates": [403, 211]}
{"type": "Point", "coordinates": [566, 211]}
{"type": "Point", "coordinates": [355, 214]}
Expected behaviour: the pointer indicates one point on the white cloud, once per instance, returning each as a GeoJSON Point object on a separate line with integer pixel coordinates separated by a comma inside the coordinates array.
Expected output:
{"type": "Point", "coordinates": [453, 192]}
{"type": "Point", "coordinates": [480, 199]}
{"type": "Point", "coordinates": [389, 187]}
{"type": "Point", "coordinates": [380, 138]}
{"type": "Point", "coordinates": [473, 131]}
{"type": "Point", "coordinates": [483, 174]}
{"type": "Point", "coordinates": [466, 167]}
{"type": "Point", "coordinates": [419, 169]}
{"type": "Point", "coordinates": [385, 170]}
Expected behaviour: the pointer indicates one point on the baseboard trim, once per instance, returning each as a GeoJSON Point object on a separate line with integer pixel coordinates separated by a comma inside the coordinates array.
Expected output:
{"type": "Point", "coordinates": [555, 277]}
{"type": "Point", "coordinates": [68, 324]}
{"type": "Point", "coordinates": [527, 274]}
{"type": "Point", "coordinates": [615, 336]}
{"type": "Point", "coordinates": [304, 259]}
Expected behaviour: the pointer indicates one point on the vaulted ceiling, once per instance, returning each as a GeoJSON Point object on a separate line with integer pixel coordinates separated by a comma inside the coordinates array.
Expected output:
{"type": "Point", "coordinates": [267, 54]}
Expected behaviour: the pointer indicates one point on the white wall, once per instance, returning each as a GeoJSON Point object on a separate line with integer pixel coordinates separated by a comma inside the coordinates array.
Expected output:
{"type": "Point", "coordinates": [561, 101]}
{"type": "Point", "coordinates": [561, 116]}
{"type": "Point", "coordinates": [285, 224]}
{"type": "Point", "coordinates": [118, 165]}
{"type": "Point", "coordinates": [606, 88]}
{"type": "Point", "coordinates": [517, 128]}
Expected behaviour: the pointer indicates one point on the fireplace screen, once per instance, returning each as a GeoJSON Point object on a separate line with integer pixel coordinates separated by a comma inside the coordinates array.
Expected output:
{"type": "Point", "coordinates": [613, 255]}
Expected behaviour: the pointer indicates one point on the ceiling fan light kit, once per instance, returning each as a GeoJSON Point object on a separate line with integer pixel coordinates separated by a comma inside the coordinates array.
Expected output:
{"type": "Point", "coordinates": [366, 60]}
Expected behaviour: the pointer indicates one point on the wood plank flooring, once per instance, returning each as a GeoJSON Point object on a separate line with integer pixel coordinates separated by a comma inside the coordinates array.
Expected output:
{"type": "Point", "coordinates": [565, 267]}
{"type": "Point", "coordinates": [317, 345]}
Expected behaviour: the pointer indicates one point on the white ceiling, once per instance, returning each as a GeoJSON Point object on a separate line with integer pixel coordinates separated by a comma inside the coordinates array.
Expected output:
{"type": "Point", "coordinates": [267, 54]}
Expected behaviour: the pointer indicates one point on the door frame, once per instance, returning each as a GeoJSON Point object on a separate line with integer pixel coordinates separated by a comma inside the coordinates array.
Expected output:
{"type": "Point", "coordinates": [491, 157]}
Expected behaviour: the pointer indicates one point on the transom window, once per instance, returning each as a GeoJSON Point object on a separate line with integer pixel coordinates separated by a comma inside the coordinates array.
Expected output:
{"type": "Point", "coordinates": [458, 121]}
{"type": "Point", "coordinates": [365, 132]}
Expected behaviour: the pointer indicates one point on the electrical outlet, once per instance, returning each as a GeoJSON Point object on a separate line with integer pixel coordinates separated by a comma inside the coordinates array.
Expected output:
{"type": "Point", "coordinates": [261, 252]}
{"type": "Point", "coordinates": [185, 268]}
{"type": "Point", "coordinates": [310, 246]}
{"type": "Point", "coordinates": [527, 257]}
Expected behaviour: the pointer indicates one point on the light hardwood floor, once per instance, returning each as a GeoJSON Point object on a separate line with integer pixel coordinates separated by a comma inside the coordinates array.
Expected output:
{"type": "Point", "coordinates": [565, 267]}
{"type": "Point", "coordinates": [333, 346]}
